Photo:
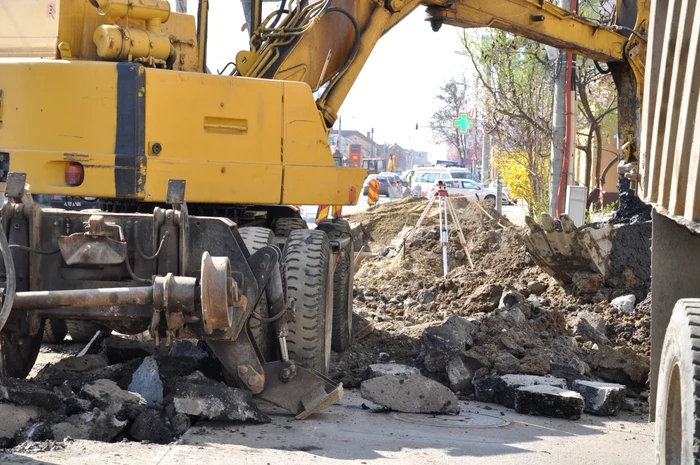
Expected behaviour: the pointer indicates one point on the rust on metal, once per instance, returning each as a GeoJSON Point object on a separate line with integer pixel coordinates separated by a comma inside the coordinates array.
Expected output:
{"type": "Point", "coordinates": [303, 393]}
{"type": "Point", "coordinates": [109, 313]}
{"type": "Point", "coordinates": [215, 292]}
{"type": "Point", "coordinates": [95, 246]}
{"type": "Point", "coordinates": [83, 298]}
{"type": "Point", "coordinates": [240, 359]}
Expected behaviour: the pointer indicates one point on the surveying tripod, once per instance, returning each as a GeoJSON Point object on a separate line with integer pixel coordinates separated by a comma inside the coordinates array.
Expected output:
{"type": "Point", "coordinates": [444, 207]}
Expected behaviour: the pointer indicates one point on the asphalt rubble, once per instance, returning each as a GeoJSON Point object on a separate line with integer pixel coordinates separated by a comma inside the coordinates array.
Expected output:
{"type": "Point", "coordinates": [503, 331]}
{"type": "Point", "coordinates": [117, 389]}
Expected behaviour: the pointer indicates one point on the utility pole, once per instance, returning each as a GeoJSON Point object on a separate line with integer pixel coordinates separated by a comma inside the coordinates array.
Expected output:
{"type": "Point", "coordinates": [558, 125]}
{"type": "Point", "coordinates": [485, 152]}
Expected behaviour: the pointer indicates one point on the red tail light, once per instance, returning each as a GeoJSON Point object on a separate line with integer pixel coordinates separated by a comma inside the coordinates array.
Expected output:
{"type": "Point", "coordinates": [74, 174]}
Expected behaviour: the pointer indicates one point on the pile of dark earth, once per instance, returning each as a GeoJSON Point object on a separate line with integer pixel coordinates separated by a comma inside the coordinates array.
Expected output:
{"type": "Point", "coordinates": [504, 316]}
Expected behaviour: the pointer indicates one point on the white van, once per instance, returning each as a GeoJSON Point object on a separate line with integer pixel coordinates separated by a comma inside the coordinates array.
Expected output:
{"type": "Point", "coordinates": [426, 177]}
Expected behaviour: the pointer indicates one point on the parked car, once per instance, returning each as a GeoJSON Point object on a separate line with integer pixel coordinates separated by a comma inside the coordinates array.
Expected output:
{"type": "Point", "coordinates": [472, 190]}
{"type": "Point", "coordinates": [426, 177]}
{"type": "Point", "coordinates": [383, 184]}
{"type": "Point", "coordinates": [391, 177]}
{"type": "Point", "coordinates": [504, 188]}
{"type": "Point", "coordinates": [404, 177]}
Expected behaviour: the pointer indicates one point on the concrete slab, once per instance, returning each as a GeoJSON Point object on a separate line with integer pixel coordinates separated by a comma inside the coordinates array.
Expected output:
{"type": "Point", "coordinates": [346, 433]}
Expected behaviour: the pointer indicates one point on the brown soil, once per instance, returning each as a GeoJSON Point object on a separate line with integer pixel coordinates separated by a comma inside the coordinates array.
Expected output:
{"type": "Point", "coordinates": [402, 296]}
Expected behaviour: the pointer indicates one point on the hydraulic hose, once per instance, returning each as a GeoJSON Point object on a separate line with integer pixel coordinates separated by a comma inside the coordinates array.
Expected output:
{"type": "Point", "coordinates": [353, 52]}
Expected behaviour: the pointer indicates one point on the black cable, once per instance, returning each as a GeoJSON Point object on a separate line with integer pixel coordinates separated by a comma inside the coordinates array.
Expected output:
{"type": "Point", "coordinates": [600, 68]}
{"type": "Point", "coordinates": [225, 67]}
{"type": "Point", "coordinates": [29, 249]}
{"type": "Point", "coordinates": [128, 265]}
{"type": "Point", "coordinates": [287, 308]}
{"type": "Point", "coordinates": [355, 47]}
{"type": "Point", "coordinates": [280, 12]}
{"type": "Point", "coordinates": [132, 274]}
{"type": "Point", "coordinates": [160, 247]}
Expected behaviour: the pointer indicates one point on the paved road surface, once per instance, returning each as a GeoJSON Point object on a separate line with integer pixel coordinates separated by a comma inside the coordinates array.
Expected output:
{"type": "Point", "coordinates": [348, 434]}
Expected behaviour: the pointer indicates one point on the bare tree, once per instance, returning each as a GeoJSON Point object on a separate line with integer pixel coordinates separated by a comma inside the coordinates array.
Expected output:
{"type": "Point", "coordinates": [452, 98]}
{"type": "Point", "coordinates": [515, 99]}
{"type": "Point", "coordinates": [597, 100]}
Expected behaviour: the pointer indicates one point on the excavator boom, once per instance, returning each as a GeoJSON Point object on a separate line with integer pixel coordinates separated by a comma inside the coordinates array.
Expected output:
{"type": "Point", "coordinates": [328, 42]}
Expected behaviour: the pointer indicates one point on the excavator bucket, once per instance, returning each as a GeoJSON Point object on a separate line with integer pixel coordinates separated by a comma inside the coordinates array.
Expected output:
{"type": "Point", "coordinates": [590, 256]}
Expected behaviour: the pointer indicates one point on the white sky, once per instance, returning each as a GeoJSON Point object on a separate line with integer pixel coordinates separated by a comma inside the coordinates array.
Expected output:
{"type": "Point", "coordinates": [397, 86]}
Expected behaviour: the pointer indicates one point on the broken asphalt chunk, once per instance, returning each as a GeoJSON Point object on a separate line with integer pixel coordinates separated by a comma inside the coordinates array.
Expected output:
{"type": "Point", "coordinates": [441, 343]}
{"type": "Point", "coordinates": [82, 363]}
{"type": "Point", "coordinates": [14, 419]}
{"type": "Point", "coordinates": [152, 426]}
{"type": "Point", "coordinates": [186, 348]}
{"type": "Point", "coordinates": [95, 425]}
{"type": "Point", "coordinates": [382, 369]}
{"type": "Point", "coordinates": [219, 402]}
{"type": "Point", "coordinates": [460, 375]}
{"type": "Point", "coordinates": [23, 392]}
{"type": "Point", "coordinates": [120, 350]}
{"type": "Point", "coordinates": [602, 399]}
{"type": "Point", "coordinates": [146, 382]}
{"type": "Point", "coordinates": [502, 389]}
{"type": "Point", "coordinates": [50, 376]}
{"type": "Point", "coordinates": [171, 366]}
{"type": "Point", "coordinates": [180, 423]}
{"type": "Point", "coordinates": [548, 401]}
{"type": "Point", "coordinates": [411, 394]}
{"type": "Point", "coordinates": [40, 431]}
{"type": "Point", "coordinates": [108, 396]}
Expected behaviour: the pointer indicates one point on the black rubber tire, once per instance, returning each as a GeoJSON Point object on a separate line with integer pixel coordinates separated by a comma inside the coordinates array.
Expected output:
{"type": "Point", "coordinates": [336, 229]}
{"type": "Point", "coordinates": [83, 330]}
{"type": "Point", "coordinates": [307, 255]}
{"type": "Point", "coordinates": [54, 331]}
{"type": "Point", "coordinates": [18, 353]}
{"type": "Point", "coordinates": [256, 238]}
{"type": "Point", "coordinates": [677, 425]}
{"type": "Point", "coordinates": [283, 226]}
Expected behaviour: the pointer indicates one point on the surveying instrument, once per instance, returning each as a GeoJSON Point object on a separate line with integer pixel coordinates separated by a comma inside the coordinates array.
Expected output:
{"type": "Point", "coordinates": [444, 207]}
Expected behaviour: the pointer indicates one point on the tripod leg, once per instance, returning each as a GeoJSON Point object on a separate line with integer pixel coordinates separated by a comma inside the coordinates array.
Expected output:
{"type": "Point", "coordinates": [445, 237]}
{"type": "Point", "coordinates": [415, 228]}
{"type": "Point", "coordinates": [462, 239]}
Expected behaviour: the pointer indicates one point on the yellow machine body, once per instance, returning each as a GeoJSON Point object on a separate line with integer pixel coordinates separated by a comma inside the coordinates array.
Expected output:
{"type": "Point", "coordinates": [234, 140]}
{"type": "Point", "coordinates": [255, 137]}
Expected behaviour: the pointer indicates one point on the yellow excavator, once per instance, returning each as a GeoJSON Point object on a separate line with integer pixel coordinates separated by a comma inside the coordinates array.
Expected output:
{"type": "Point", "coordinates": [391, 166]}
{"type": "Point", "coordinates": [197, 174]}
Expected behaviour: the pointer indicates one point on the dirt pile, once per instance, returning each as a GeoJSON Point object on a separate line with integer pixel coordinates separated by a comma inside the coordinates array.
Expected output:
{"type": "Point", "coordinates": [523, 321]}
{"type": "Point", "coordinates": [384, 221]}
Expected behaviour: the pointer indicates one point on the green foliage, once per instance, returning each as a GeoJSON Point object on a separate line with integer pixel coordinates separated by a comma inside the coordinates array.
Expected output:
{"type": "Point", "coordinates": [595, 214]}
{"type": "Point", "coordinates": [514, 169]}
{"type": "Point", "coordinates": [515, 86]}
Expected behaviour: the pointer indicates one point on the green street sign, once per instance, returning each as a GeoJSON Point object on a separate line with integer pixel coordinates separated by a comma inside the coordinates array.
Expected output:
{"type": "Point", "coordinates": [463, 123]}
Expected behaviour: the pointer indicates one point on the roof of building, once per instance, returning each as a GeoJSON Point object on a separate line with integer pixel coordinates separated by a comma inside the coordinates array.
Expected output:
{"type": "Point", "coordinates": [352, 132]}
